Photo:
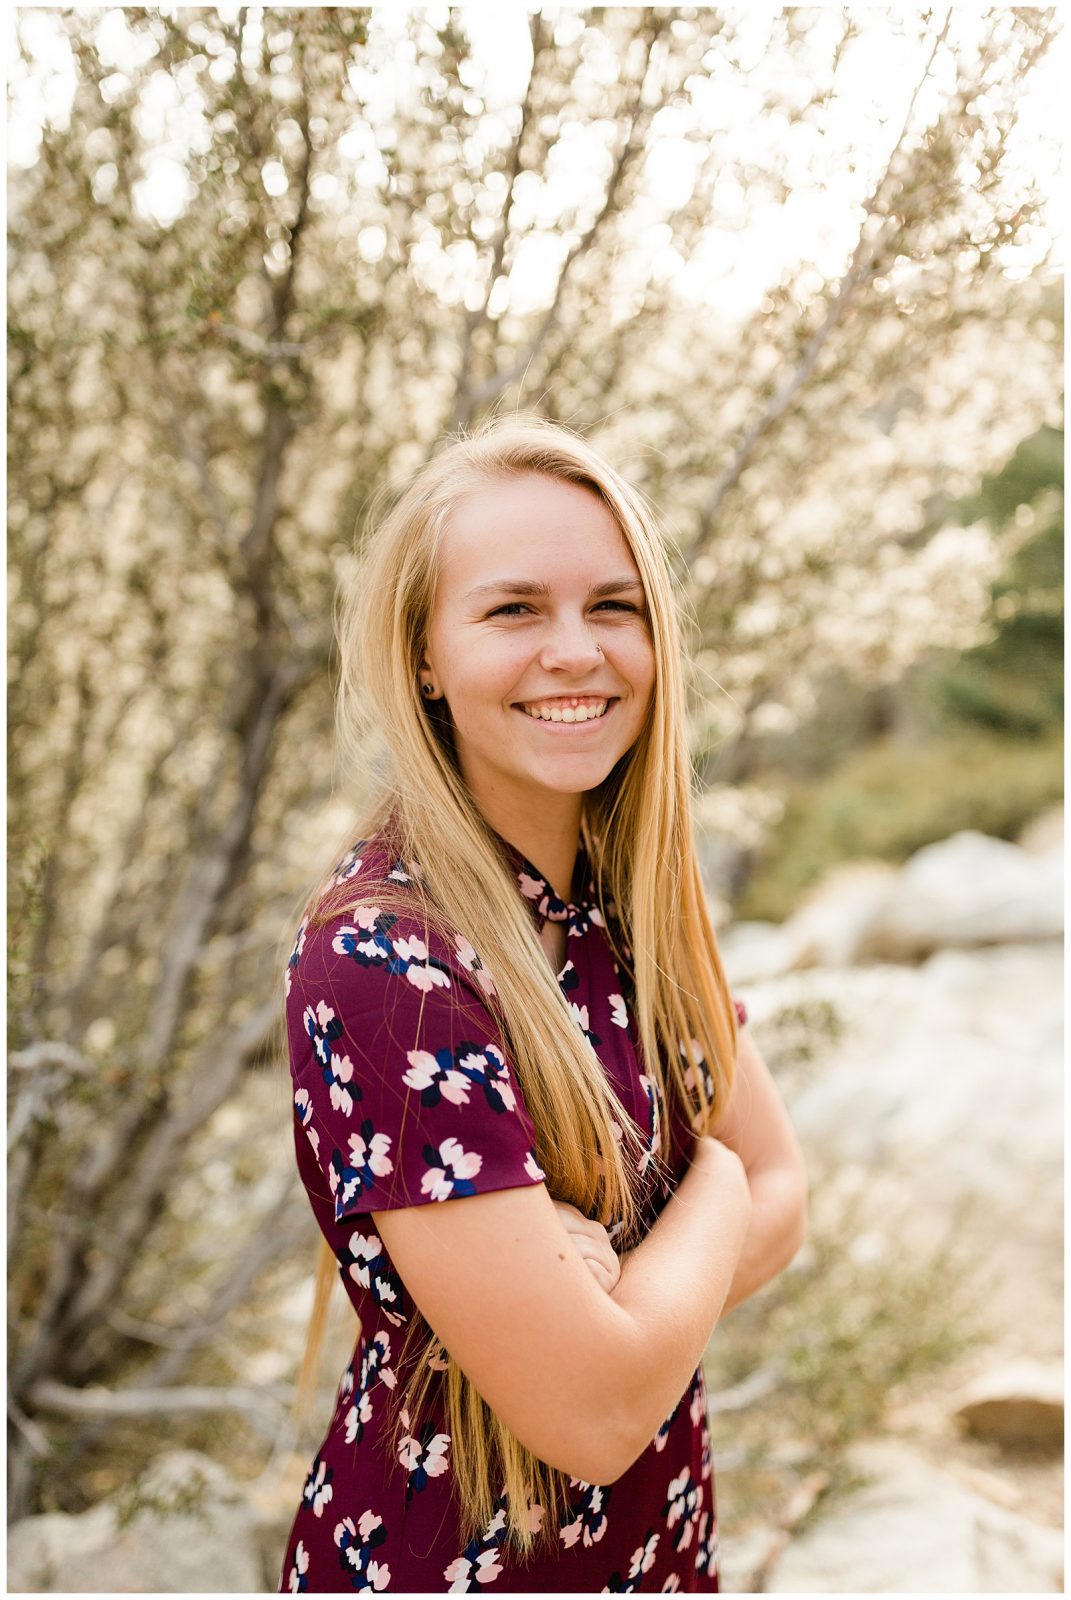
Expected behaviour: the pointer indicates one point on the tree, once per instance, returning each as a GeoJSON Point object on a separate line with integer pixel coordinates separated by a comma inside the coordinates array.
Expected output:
{"type": "Point", "coordinates": [266, 259]}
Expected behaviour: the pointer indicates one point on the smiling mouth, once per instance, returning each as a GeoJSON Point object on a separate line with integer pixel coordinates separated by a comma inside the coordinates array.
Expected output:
{"type": "Point", "coordinates": [568, 711]}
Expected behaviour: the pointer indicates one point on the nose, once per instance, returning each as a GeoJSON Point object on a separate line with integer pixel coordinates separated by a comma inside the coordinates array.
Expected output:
{"type": "Point", "coordinates": [571, 647]}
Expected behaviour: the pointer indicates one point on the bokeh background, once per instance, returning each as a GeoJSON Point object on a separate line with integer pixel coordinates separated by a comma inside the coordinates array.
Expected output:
{"type": "Point", "coordinates": [796, 272]}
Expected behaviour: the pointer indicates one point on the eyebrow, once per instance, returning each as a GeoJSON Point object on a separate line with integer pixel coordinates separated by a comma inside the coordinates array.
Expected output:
{"type": "Point", "coordinates": [528, 586]}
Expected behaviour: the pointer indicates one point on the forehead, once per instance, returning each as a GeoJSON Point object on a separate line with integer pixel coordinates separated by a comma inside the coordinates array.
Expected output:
{"type": "Point", "coordinates": [531, 526]}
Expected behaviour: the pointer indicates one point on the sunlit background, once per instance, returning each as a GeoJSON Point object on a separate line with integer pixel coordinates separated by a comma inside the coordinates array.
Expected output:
{"type": "Point", "coordinates": [798, 272]}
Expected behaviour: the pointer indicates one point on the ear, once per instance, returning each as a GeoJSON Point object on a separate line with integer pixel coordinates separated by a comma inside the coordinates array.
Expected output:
{"type": "Point", "coordinates": [426, 681]}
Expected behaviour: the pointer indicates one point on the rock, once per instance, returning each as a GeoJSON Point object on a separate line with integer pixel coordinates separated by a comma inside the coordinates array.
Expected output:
{"type": "Point", "coordinates": [964, 892]}
{"type": "Point", "coordinates": [968, 890]}
{"type": "Point", "coordinates": [829, 930]}
{"type": "Point", "coordinates": [1046, 832]}
{"type": "Point", "coordinates": [1020, 1403]}
{"type": "Point", "coordinates": [914, 1530]}
{"type": "Point", "coordinates": [182, 1528]}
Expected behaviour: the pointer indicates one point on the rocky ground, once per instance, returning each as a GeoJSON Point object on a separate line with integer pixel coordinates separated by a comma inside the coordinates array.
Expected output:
{"type": "Point", "coordinates": [944, 1093]}
{"type": "Point", "coordinates": [940, 1107]}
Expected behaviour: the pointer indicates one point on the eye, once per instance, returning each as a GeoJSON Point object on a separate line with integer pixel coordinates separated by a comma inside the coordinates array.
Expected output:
{"type": "Point", "coordinates": [513, 609]}
{"type": "Point", "coordinates": [619, 605]}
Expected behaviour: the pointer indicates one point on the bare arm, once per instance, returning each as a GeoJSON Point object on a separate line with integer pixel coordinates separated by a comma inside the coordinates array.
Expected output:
{"type": "Point", "coordinates": [756, 1125]}
{"type": "Point", "coordinates": [582, 1377]}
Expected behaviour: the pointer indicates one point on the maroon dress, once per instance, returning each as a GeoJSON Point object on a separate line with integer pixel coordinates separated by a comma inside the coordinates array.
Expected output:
{"type": "Point", "coordinates": [404, 1095]}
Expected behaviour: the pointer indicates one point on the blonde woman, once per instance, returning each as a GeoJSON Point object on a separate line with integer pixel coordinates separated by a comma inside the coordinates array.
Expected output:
{"type": "Point", "coordinates": [535, 1135]}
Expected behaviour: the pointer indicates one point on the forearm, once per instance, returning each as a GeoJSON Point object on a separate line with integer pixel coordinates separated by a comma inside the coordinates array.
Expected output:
{"type": "Point", "coordinates": [775, 1232]}
{"type": "Point", "coordinates": [673, 1286]}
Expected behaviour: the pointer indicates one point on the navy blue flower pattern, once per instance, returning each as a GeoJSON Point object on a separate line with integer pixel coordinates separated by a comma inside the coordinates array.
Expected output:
{"type": "Point", "coordinates": [451, 1074]}
{"type": "Point", "coordinates": [478, 1564]}
{"type": "Point", "coordinates": [357, 1544]}
{"type": "Point", "coordinates": [364, 1261]}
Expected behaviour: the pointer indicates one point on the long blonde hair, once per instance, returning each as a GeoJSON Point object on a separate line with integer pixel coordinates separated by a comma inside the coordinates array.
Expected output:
{"type": "Point", "coordinates": [637, 829]}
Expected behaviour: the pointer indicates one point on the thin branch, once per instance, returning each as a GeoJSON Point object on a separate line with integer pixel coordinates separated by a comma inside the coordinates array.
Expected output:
{"type": "Point", "coordinates": [782, 398]}
{"type": "Point", "coordinates": [474, 320]}
{"type": "Point", "coordinates": [263, 1407]}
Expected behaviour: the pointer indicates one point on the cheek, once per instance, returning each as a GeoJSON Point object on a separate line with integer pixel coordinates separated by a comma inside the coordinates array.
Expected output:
{"type": "Point", "coordinates": [637, 663]}
{"type": "Point", "coordinates": [482, 669]}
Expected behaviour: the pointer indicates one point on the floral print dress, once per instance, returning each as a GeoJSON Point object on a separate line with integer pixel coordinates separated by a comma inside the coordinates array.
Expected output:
{"type": "Point", "coordinates": [404, 1095]}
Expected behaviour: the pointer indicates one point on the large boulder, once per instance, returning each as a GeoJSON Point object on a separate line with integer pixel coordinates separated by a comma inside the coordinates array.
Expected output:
{"type": "Point", "coordinates": [916, 1530]}
{"type": "Point", "coordinates": [182, 1528]}
{"type": "Point", "coordinates": [964, 892]}
{"type": "Point", "coordinates": [970, 890]}
{"type": "Point", "coordinates": [1018, 1404]}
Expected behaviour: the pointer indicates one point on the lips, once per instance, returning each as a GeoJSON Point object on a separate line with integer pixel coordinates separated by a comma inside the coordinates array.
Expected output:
{"type": "Point", "coordinates": [567, 711]}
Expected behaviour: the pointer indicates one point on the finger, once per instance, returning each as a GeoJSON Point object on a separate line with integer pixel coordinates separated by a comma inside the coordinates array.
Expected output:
{"type": "Point", "coordinates": [601, 1275]}
{"type": "Point", "coordinates": [592, 1252]}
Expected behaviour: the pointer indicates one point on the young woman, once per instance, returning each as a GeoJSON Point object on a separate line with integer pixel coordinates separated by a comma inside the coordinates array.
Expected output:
{"type": "Point", "coordinates": [543, 1156]}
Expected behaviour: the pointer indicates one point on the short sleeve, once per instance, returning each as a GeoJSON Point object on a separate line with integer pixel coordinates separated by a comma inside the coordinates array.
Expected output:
{"type": "Point", "coordinates": [402, 1081]}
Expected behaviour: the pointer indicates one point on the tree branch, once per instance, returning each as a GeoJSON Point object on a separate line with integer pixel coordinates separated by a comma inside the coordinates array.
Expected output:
{"type": "Point", "coordinates": [865, 249]}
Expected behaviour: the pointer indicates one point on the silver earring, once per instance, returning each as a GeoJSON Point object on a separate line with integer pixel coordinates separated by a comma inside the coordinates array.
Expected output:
{"type": "Point", "coordinates": [427, 689]}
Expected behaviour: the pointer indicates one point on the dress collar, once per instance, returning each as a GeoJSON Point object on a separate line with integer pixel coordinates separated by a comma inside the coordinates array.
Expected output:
{"type": "Point", "coordinates": [545, 904]}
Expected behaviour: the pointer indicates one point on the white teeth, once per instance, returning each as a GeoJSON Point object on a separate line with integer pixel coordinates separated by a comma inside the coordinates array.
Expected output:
{"type": "Point", "coordinates": [574, 713]}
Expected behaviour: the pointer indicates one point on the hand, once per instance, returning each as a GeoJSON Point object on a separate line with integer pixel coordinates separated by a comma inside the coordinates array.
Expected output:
{"type": "Point", "coordinates": [592, 1242]}
{"type": "Point", "coordinates": [730, 1172]}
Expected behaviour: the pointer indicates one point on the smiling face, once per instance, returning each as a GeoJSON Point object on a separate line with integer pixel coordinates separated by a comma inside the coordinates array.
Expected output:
{"type": "Point", "coordinates": [539, 643]}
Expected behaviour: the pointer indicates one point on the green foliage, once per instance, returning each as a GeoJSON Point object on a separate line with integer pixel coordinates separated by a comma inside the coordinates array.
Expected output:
{"type": "Point", "coordinates": [1014, 681]}
{"type": "Point", "coordinates": [892, 797]}
{"type": "Point", "coordinates": [838, 1332]}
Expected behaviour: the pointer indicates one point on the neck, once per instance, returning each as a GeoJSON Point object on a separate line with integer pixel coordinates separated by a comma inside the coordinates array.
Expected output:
{"type": "Point", "coordinates": [545, 828]}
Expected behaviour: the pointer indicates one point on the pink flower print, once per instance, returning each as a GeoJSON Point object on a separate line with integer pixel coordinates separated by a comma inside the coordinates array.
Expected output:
{"type": "Point", "coordinates": [422, 974]}
{"type": "Point", "coordinates": [706, 1555]}
{"type": "Point", "coordinates": [488, 1067]}
{"type": "Point", "coordinates": [532, 1167]}
{"type": "Point", "coordinates": [654, 1096]}
{"type": "Point", "coordinates": [303, 1106]}
{"type": "Point", "coordinates": [374, 1370]}
{"type": "Point", "coordinates": [451, 1170]}
{"type": "Point", "coordinates": [697, 1410]}
{"type": "Point", "coordinates": [683, 1501]}
{"type": "Point", "coordinates": [437, 1359]}
{"type": "Point", "coordinates": [341, 1075]}
{"type": "Point", "coordinates": [356, 1544]}
{"type": "Point", "coordinates": [478, 1563]}
{"type": "Point", "coordinates": [363, 1258]}
{"type": "Point", "coordinates": [423, 1457]}
{"type": "Point", "coordinates": [425, 1071]}
{"type": "Point", "coordinates": [358, 1415]}
{"type": "Point", "coordinates": [618, 1013]}
{"type": "Point", "coordinates": [371, 1153]}
{"type": "Point", "coordinates": [671, 1585]}
{"type": "Point", "coordinates": [348, 867]}
{"type": "Point", "coordinates": [589, 1521]}
{"type": "Point", "coordinates": [300, 1567]}
{"type": "Point", "coordinates": [697, 1071]}
{"type": "Point", "coordinates": [643, 1559]}
{"type": "Point", "coordinates": [531, 888]}
{"type": "Point", "coordinates": [318, 1491]}
{"type": "Point", "coordinates": [471, 962]}
{"type": "Point", "coordinates": [363, 940]}
{"type": "Point", "coordinates": [295, 955]}
{"type": "Point", "coordinates": [323, 1028]}
{"type": "Point", "coordinates": [581, 1015]}
{"type": "Point", "coordinates": [364, 1250]}
{"type": "Point", "coordinates": [462, 1574]}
